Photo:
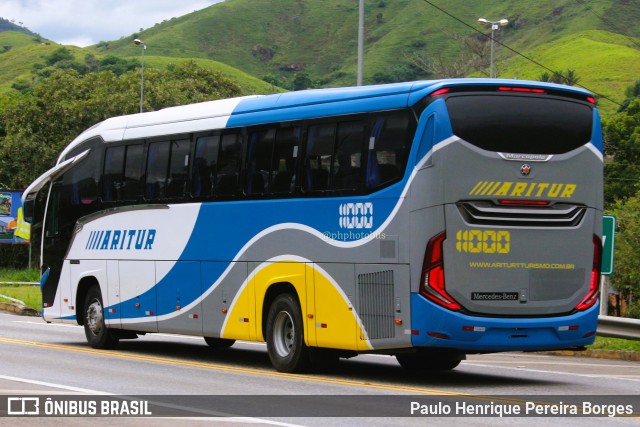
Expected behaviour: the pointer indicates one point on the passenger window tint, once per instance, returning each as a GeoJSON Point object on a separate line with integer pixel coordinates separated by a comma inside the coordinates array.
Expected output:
{"type": "Point", "coordinates": [122, 173]}
{"type": "Point", "coordinates": [259, 159]}
{"type": "Point", "coordinates": [178, 165]}
{"type": "Point", "coordinates": [388, 149]}
{"type": "Point", "coordinates": [333, 158]}
{"type": "Point", "coordinates": [347, 161]}
{"type": "Point", "coordinates": [285, 160]}
{"type": "Point", "coordinates": [318, 158]}
{"type": "Point", "coordinates": [520, 124]}
{"type": "Point", "coordinates": [203, 178]}
{"type": "Point", "coordinates": [113, 173]}
{"type": "Point", "coordinates": [132, 173]}
{"type": "Point", "coordinates": [229, 161]}
{"type": "Point", "coordinates": [157, 166]}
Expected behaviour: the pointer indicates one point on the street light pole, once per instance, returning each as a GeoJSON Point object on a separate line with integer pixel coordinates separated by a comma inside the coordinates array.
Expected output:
{"type": "Point", "coordinates": [360, 41]}
{"type": "Point", "coordinates": [139, 42]}
{"type": "Point", "coordinates": [494, 26]}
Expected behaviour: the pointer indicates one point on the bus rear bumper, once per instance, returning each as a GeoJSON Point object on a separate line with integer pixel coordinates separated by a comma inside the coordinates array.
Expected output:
{"type": "Point", "coordinates": [433, 326]}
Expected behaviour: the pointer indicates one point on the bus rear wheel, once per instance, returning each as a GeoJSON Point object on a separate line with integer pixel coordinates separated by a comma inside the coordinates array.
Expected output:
{"type": "Point", "coordinates": [95, 329]}
{"type": "Point", "coordinates": [285, 336]}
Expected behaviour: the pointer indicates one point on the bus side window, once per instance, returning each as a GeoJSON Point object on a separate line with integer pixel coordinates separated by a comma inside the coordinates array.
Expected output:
{"type": "Point", "coordinates": [259, 158]}
{"type": "Point", "coordinates": [388, 149]}
{"type": "Point", "coordinates": [177, 180]}
{"type": "Point", "coordinates": [112, 178]}
{"type": "Point", "coordinates": [229, 162]}
{"type": "Point", "coordinates": [204, 172]}
{"type": "Point", "coordinates": [346, 168]}
{"type": "Point", "coordinates": [157, 166]}
{"type": "Point", "coordinates": [318, 157]}
{"type": "Point", "coordinates": [285, 160]}
{"type": "Point", "coordinates": [132, 173]}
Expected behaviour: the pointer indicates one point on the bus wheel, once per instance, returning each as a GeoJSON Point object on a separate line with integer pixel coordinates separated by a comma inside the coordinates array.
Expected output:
{"type": "Point", "coordinates": [98, 335]}
{"type": "Point", "coordinates": [285, 337]}
{"type": "Point", "coordinates": [219, 343]}
{"type": "Point", "coordinates": [423, 361]}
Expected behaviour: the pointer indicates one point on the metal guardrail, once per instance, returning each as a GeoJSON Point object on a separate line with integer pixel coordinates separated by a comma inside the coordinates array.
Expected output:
{"type": "Point", "coordinates": [619, 327]}
{"type": "Point", "coordinates": [20, 283]}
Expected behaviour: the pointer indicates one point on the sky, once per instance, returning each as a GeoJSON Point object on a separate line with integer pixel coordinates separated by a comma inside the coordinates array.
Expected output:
{"type": "Point", "coordinates": [86, 22]}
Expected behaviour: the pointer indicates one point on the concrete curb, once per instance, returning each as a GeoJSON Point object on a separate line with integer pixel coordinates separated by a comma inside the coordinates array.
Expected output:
{"type": "Point", "coordinates": [631, 356]}
{"type": "Point", "coordinates": [18, 309]}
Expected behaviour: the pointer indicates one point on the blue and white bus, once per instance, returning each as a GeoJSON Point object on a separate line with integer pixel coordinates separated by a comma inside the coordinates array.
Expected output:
{"type": "Point", "coordinates": [426, 220]}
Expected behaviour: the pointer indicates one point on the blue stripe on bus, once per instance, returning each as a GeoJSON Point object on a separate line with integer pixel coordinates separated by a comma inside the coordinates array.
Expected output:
{"type": "Point", "coordinates": [596, 132]}
{"type": "Point", "coordinates": [499, 334]}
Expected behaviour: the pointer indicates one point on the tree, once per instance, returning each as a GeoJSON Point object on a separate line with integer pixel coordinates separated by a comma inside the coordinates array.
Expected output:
{"type": "Point", "coordinates": [39, 126]}
{"type": "Point", "coordinates": [474, 56]}
{"type": "Point", "coordinates": [569, 77]}
{"type": "Point", "coordinates": [622, 151]}
{"type": "Point", "coordinates": [626, 278]}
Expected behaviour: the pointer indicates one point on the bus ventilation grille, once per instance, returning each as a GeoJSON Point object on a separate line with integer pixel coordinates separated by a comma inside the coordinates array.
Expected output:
{"type": "Point", "coordinates": [557, 215]}
{"type": "Point", "coordinates": [375, 300]}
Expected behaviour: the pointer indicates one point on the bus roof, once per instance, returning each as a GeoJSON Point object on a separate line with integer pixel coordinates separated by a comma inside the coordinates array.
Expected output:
{"type": "Point", "coordinates": [257, 109]}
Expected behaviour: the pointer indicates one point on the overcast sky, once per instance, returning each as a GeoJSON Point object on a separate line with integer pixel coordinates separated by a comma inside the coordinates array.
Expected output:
{"type": "Point", "coordinates": [86, 22]}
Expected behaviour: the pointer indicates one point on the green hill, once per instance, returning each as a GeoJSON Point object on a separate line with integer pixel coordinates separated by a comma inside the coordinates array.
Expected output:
{"type": "Point", "coordinates": [16, 63]}
{"type": "Point", "coordinates": [279, 40]}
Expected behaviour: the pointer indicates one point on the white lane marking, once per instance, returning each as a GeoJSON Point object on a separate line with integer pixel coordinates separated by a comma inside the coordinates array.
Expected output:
{"type": "Point", "coordinates": [537, 371]}
{"type": "Point", "coordinates": [53, 385]}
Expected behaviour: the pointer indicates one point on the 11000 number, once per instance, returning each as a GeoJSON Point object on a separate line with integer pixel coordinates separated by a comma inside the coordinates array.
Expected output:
{"type": "Point", "coordinates": [483, 241]}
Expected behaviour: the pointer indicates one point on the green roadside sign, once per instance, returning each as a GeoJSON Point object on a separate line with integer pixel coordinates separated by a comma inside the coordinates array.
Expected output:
{"type": "Point", "coordinates": [608, 239]}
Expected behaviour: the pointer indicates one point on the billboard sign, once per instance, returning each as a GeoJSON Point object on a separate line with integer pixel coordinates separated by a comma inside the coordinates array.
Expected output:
{"type": "Point", "coordinates": [13, 229]}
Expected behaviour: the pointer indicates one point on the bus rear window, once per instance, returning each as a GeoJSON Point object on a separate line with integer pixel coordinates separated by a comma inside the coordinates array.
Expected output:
{"type": "Point", "coordinates": [520, 124]}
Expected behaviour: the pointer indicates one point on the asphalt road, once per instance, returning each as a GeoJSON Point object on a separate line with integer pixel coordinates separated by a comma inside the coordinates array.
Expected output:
{"type": "Point", "coordinates": [183, 376]}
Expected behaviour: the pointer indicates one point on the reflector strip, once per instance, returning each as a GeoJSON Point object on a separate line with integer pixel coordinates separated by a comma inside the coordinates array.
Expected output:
{"type": "Point", "coordinates": [474, 328]}
{"type": "Point", "coordinates": [438, 335]}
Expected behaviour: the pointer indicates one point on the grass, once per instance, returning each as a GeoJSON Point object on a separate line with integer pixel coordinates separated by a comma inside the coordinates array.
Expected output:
{"type": "Point", "coordinates": [11, 275]}
{"type": "Point", "coordinates": [30, 295]}
{"type": "Point", "coordinates": [615, 344]}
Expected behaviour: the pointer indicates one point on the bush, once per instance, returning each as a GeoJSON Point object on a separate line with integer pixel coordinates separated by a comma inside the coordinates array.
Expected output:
{"type": "Point", "coordinates": [14, 256]}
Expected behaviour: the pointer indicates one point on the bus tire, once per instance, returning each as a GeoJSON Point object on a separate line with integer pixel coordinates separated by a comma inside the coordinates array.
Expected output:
{"type": "Point", "coordinates": [95, 329]}
{"type": "Point", "coordinates": [285, 335]}
{"type": "Point", "coordinates": [425, 362]}
{"type": "Point", "coordinates": [219, 343]}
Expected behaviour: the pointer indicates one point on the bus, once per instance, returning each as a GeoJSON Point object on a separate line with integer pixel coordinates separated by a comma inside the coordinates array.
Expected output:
{"type": "Point", "coordinates": [425, 220]}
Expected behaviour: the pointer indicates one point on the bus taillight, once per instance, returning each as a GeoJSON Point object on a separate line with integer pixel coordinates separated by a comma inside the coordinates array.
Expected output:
{"type": "Point", "coordinates": [432, 282]}
{"type": "Point", "coordinates": [594, 287]}
{"type": "Point", "coordinates": [520, 89]}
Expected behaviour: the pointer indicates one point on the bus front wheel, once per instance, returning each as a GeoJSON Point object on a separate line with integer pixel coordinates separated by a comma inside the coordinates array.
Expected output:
{"type": "Point", "coordinates": [98, 335]}
{"type": "Point", "coordinates": [285, 335]}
